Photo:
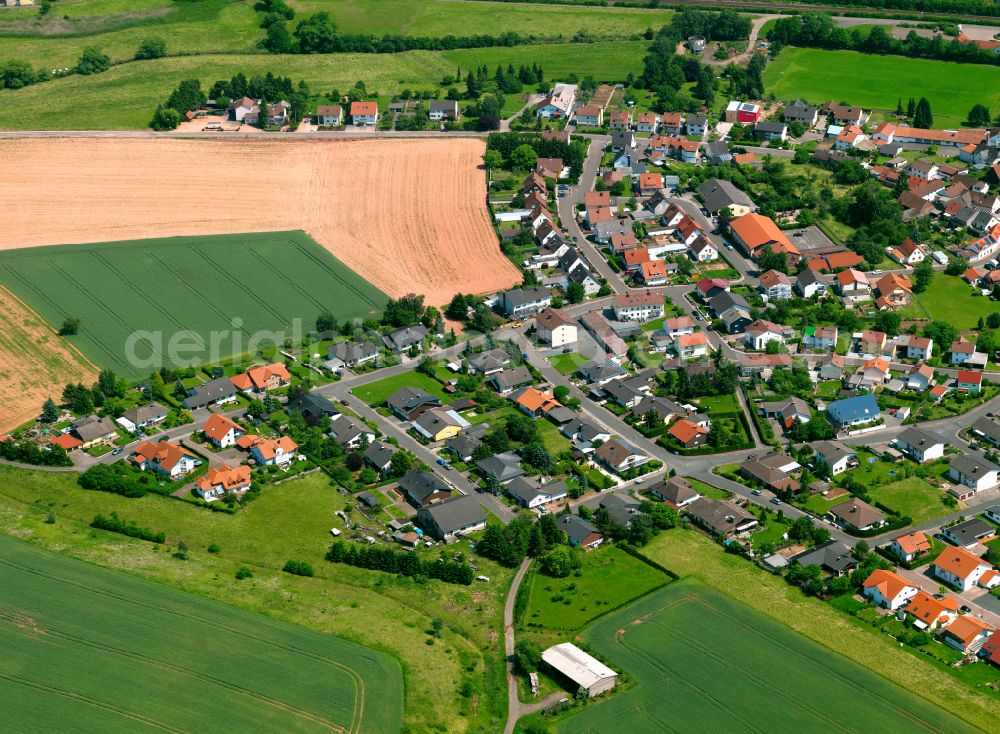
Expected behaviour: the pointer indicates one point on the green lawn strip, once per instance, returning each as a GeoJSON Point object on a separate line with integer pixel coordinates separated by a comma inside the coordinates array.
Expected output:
{"type": "Point", "coordinates": [877, 82]}
{"type": "Point", "coordinates": [376, 393]}
{"type": "Point", "coordinates": [290, 521]}
{"type": "Point", "coordinates": [689, 553]}
{"type": "Point", "coordinates": [679, 645]}
{"type": "Point", "coordinates": [99, 284]}
{"type": "Point", "coordinates": [608, 578]}
{"type": "Point", "coordinates": [89, 618]}
{"type": "Point", "coordinates": [567, 364]}
{"type": "Point", "coordinates": [707, 490]}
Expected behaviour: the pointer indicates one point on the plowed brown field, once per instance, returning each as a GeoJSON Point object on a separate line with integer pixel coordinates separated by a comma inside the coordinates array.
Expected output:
{"type": "Point", "coordinates": [407, 215]}
{"type": "Point", "coordinates": [35, 363]}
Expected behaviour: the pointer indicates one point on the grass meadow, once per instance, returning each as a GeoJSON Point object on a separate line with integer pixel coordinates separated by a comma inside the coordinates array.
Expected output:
{"type": "Point", "coordinates": [125, 96]}
{"type": "Point", "coordinates": [170, 660]}
{"type": "Point", "coordinates": [291, 520]}
{"type": "Point", "coordinates": [608, 578]}
{"type": "Point", "coordinates": [196, 284]}
{"type": "Point", "coordinates": [877, 82]}
{"type": "Point", "coordinates": [704, 661]}
{"type": "Point", "coordinates": [951, 299]}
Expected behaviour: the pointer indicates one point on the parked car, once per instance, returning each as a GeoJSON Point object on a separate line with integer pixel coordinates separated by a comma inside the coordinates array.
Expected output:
{"type": "Point", "coordinates": [775, 501]}
{"type": "Point", "coordinates": [117, 451]}
{"type": "Point", "coordinates": [757, 492]}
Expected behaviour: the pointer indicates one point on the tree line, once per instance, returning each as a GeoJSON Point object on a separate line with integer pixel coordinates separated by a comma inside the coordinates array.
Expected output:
{"type": "Point", "coordinates": [400, 562]}
{"type": "Point", "coordinates": [28, 452]}
{"type": "Point", "coordinates": [130, 528]}
{"type": "Point", "coordinates": [117, 479]}
{"type": "Point", "coordinates": [817, 30]}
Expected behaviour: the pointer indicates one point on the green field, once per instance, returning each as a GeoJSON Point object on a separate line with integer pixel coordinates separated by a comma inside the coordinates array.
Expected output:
{"type": "Point", "coordinates": [170, 661]}
{"type": "Point", "coordinates": [608, 578]}
{"type": "Point", "coordinates": [291, 520]}
{"type": "Point", "coordinates": [125, 96]}
{"type": "Point", "coordinates": [877, 82]}
{"type": "Point", "coordinates": [199, 285]}
{"type": "Point", "coordinates": [705, 662]}
{"type": "Point", "coordinates": [949, 298]}
{"type": "Point", "coordinates": [912, 497]}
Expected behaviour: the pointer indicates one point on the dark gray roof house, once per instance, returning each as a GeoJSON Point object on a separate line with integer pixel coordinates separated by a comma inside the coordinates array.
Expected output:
{"type": "Point", "coordinates": [969, 532]}
{"type": "Point", "coordinates": [368, 499]}
{"type": "Point", "coordinates": [464, 444]}
{"type": "Point", "coordinates": [504, 382]}
{"type": "Point", "coordinates": [423, 487]}
{"type": "Point", "coordinates": [402, 339]}
{"type": "Point", "coordinates": [675, 490]}
{"type": "Point", "coordinates": [207, 393]}
{"type": "Point", "coordinates": [584, 431]}
{"type": "Point", "coordinates": [409, 402]}
{"type": "Point", "coordinates": [718, 152]}
{"type": "Point", "coordinates": [833, 556]}
{"type": "Point", "coordinates": [143, 415]}
{"type": "Point", "coordinates": [93, 428]}
{"type": "Point", "coordinates": [620, 509]}
{"type": "Point", "coordinates": [663, 408]}
{"type": "Point", "coordinates": [520, 302]}
{"type": "Point", "coordinates": [379, 456]}
{"type": "Point", "coordinates": [725, 300]}
{"type": "Point", "coordinates": [581, 533]}
{"type": "Point", "coordinates": [717, 194]}
{"type": "Point", "coordinates": [453, 517]}
{"type": "Point", "coordinates": [488, 362]}
{"type": "Point", "coordinates": [503, 466]}
{"type": "Point", "coordinates": [799, 111]}
{"type": "Point", "coordinates": [530, 493]}
{"type": "Point", "coordinates": [312, 406]}
{"type": "Point", "coordinates": [353, 353]}
{"type": "Point", "coordinates": [723, 519]}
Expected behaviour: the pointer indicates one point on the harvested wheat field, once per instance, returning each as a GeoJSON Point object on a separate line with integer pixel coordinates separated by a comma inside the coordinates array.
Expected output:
{"type": "Point", "coordinates": [406, 215]}
{"type": "Point", "coordinates": [35, 363]}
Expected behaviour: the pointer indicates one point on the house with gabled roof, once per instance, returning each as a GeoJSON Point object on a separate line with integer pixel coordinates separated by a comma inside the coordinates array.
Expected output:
{"type": "Point", "coordinates": [723, 519]}
{"type": "Point", "coordinates": [143, 416]}
{"type": "Point", "coordinates": [967, 634]}
{"type": "Point", "coordinates": [424, 488]}
{"type": "Point", "coordinates": [94, 430]}
{"type": "Point", "coordinates": [832, 556]}
{"type": "Point", "coordinates": [857, 514]}
{"type": "Point", "coordinates": [820, 337]}
{"type": "Point", "coordinates": [364, 114]}
{"type": "Point", "coordinates": [532, 493]}
{"type": "Point", "coordinates": [263, 378]}
{"type": "Point", "coordinates": [969, 381]}
{"type": "Point", "coordinates": [888, 590]}
{"type": "Point", "coordinates": [214, 392]}
{"type": "Point", "coordinates": [406, 338]}
{"type": "Point", "coordinates": [165, 458]}
{"type": "Point", "coordinates": [759, 333]}
{"type": "Point", "coordinates": [920, 445]}
{"type": "Point", "coordinates": [676, 491]}
{"type": "Point", "coordinates": [959, 568]}
{"type": "Point", "coordinates": [930, 613]}
{"type": "Point", "coordinates": [222, 480]}
{"type": "Point", "coordinates": [834, 455]}
{"type": "Point", "coordinates": [619, 456]}
{"type": "Point", "coordinates": [910, 546]}
{"type": "Point", "coordinates": [221, 432]}
{"type": "Point", "coordinates": [274, 452]}
{"type": "Point", "coordinates": [580, 532]}
{"type": "Point", "coordinates": [452, 518]}
{"type": "Point", "coordinates": [504, 467]}
{"type": "Point", "coordinates": [688, 434]}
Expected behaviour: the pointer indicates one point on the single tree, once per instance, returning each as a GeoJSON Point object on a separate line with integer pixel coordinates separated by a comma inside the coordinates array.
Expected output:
{"type": "Point", "coordinates": [151, 48]}
{"type": "Point", "coordinates": [50, 411]}
{"type": "Point", "coordinates": [92, 61]}
{"type": "Point", "coordinates": [922, 116]}
{"type": "Point", "coordinates": [70, 326]}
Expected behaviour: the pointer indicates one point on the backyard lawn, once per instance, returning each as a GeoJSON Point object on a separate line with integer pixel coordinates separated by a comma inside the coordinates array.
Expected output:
{"type": "Point", "coordinates": [567, 364]}
{"type": "Point", "coordinates": [608, 578]}
{"type": "Point", "coordinates": [950, 299]}
{"type": "Point", "coordinates": [376, 393]}
{"type": "Point", "coordinates": [912, 497]}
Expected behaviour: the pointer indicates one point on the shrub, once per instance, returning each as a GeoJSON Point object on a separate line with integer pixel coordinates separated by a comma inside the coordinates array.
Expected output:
{"type": "Point", "coordinates": [298, 568]}
{"type": "Point", "coordinates": [214, 548]}
{"type": "Point", "coordinates": [244, 573]}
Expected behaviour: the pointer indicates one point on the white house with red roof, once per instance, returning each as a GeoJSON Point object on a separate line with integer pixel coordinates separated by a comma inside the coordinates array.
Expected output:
{"type": "Point", "coordinates": [274, 452]}
{"type": "Point", "coordinates": [969, 381]}
{"type": "Point", "coordinates": [889, 590]}
{"type": "Point", "coordinates": [958, 567]}
{"type": "Point", "coordinates": [221, 431]}
{"type": "Point", "coordinates": [364, 114]}
{"type": "Point", "coordinates": [263, 378]}
{"type": "Point", "coordinates": [164, 458]}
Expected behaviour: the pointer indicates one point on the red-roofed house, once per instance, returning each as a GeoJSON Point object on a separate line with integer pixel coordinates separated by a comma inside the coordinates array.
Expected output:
{"type": "Point", "coordinates": [263, 378]}
{"type": "Point", "coordinates": [221, 432]}
{"type": "Point", "coordinates": [888, 589]}
{"type": "Point", "coordinates": [650, 183]}
{"type": "Point", "coordinates": [969, 381]}
{"type": "Point", "coordinates": [222, 479]}
{"type": "Point", "coordinates": [274, 452]}
{"type": "Point", "coordinates": [755, 231]}
{"type": "Point", "coordinates": [967, 634]}
{"type": "Point", "coordinates": [959, 568]}
{"type": "Point", "coordinates": [66, 441]}
{"type": "Point", "coordinates": [689, 435]}
{"type": "Point", "coordinates": [930, 613]}
{"type": "Point", "coordinates": [164, 458]}
{"type": "Point", "coordinates": [908, 547]}
{"type": "Point", "coordinates": [364, 114]}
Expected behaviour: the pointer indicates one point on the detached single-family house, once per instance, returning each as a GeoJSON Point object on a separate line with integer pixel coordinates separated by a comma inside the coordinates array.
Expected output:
{"type": "Point", "coordinates": [721, 518]}
{"type": "Point", "coordinates": [969, 381]}
{"type": "Point", "coordinates": [771, 131]}
{"type": "Point", "coordinates": [221, 480]}
{"type": "Point", "coordinates": [676, 491]}
{"type": "Point", "coordinates": [440, 110]}
{"type": "Point", "coordinates": [808, 283]}
{"type": "Point", "coordinates": [509, 380]}
{"type": "Point", "coordinates": [274, 452]}
{"type": "Point", "coordinates": [888, 590]}
{"type": "Point", "coordinates": [439, 424]}
{"type": "Point", "coordinates": [580, 533]}
{"type": "Point", "coordinates": [910, 546]}
{"type": "Point", "coordinates": [961, 350]}
{"type": "Point", "coordinates": [969, 533]}
{"type": "Point", "coordinates": [521, 303]}
{"type": "Point", "coordinates": [799, 111]}
{"type": "Point", "coordinates": [94, 431]}
{"type": "Point", "coordinates": [143, 416]}
{"type": "Point", "coordinates": [834, 455]}
{"type": "Point", "coordinates": [823, 338]}
{"type": "Point", "coordinates": [718, 194]}
{"type": "Point", "coordinates": [452, 518]}
{"type": "Point", "coordinates": [407, 403]}
{"type": "Point", "coordinates": [555, 329]}
{"type": "Point", "coordinates": [967, 634]}
{"type": "Point", "coordinates": [855, 513]}
{"type": "Point", "coordinates": [688, 434]}
{"type": "Point", "coordinates": [424, 488]}
{"type": "Point", "coordinates": [973, 472]}
{"type": "Point", "coordinates": [405, 338]}
{"type": "Point", "coordinates": [379, 457]}
{"type": "Point", "coordinates": [364, 114]}
{"type": "Point", "coordinates": [618, 456]}
{"type": "Point", "coordinates": [920, 445]}
{"type": "Point", "coordinates": [759, 333]}
{"type": "Point", "coordinates": [329, 115]}
{"type": "Point", "coordinates": [164, 458]}
{"type": "Point", "coordinates": [221, 431]}
{"type": "Point", "coordinates": [959, 568]}
{"type": "Point", "coordinates": [775, 285]}
{"type": "Point", "coordinates": [832, 556]}
{"type": "Point", "coordinates": [854, 411]}
{"type": "Point", "coordinates": [930, 613]}
{"type": "Point", "coordinates": [263, 378]}
{"type": "Point", "coordinates": [988, 430]}
{"type": "Point", "coordinates": [504, 467]}
{"type": "Point", "coordinates": [488, 362]}
{"type": "Point", "coordinates": [353, 354]}
{"type": "Point", "coordinates": [531, 493]}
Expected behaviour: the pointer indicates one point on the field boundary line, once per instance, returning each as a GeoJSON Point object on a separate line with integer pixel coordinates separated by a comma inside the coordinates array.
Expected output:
{"type": "Point", "coordinates": [92, 702]}
{"type": "Point", "coordinates": [282, 278]}
{"type": "Point", "coordinates": [132, 287]}
{"type": "Point", "coordinates": [185, 672]}
{"type": "Point", "coordinates": [353, 674]}
{"type": "Point", "coordinates": [46, 325]}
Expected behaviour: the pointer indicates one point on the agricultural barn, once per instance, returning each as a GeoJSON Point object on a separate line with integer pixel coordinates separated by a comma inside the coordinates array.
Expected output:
{"type": "Point", "coordinates": [585, 670]}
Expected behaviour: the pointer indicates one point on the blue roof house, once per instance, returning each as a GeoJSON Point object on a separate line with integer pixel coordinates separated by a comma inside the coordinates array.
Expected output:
{"type": "Point", "coordinates": [854, 411]}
